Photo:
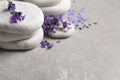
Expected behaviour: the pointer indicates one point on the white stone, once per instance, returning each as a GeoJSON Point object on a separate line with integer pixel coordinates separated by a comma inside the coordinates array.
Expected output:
{"type": "Point", "coordinates": [63, 33]}
{"type": "Point", "coordinates": [30, 43]}
{"type": "Point", "coordinates": [43, 3]}
{"type": "Point", "coordinates": [6, 37]}
{"type": "Point", "coordinates": [59, 9]}
{"type": "Point", "coordinates": [33, 21]}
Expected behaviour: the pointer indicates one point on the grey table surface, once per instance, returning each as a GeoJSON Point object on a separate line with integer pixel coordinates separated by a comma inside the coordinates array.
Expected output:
{"type": "Point", "coordinates": [90, 54]}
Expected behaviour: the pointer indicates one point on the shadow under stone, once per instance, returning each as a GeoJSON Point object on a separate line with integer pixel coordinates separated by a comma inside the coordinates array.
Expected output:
{"type": "Point", "coordinates": [14, 51]}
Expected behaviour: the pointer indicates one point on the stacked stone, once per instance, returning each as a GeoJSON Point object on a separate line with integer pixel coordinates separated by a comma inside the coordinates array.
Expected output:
{"type": "Point", "coordinates": [29, 33]}
{"type": "Point", "coordinates": [52, 7]}
{"type": "Point", "coordinates": [23, 35]}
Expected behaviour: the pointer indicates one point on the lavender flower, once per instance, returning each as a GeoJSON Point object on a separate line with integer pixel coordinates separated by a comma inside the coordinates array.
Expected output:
{"type": "Point", "coordinates": [11, 6]}
{"type": "Point", "coordinates": [51, 24]}
{"type": "Point", "coordinates": [43, 44]}
{"type": "Point", "coordinates": [16, 16]}
{"type": "Point", "coordinates": [66, 25]}
{"type": "Point", "coordinates": [46, 44]}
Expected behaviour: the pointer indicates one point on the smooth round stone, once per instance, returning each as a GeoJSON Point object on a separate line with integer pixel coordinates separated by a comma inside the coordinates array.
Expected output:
{"type": "Point", "coordinates": [63, 33]}
{"type": "Point", "coordinates": [43, 3]}
{"type": "Point", "coordinates": [33, 20]}
{"type": "Point", "coordinates": [6, 37]}
{"type": "Point", "coordinates": [27, 44]}
{"type": "Point", "coordinates": [59, 9]}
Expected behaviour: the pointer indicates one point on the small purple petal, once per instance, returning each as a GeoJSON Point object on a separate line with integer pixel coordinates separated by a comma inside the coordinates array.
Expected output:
{"type": "Point", "coordinates": [11, 6]}
{"type": "Point", "coordinates": [46, 44]}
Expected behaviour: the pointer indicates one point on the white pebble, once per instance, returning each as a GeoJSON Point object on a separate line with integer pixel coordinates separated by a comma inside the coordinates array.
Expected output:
{"type": "Point", "coordinates": [26, 44]}
{"type": "Point", "coordinates": [58, 9]}
{"type": "Point", "coordinates": [63, 33]}
{"type": "Point", "coordinates": [33, 20]}
{"type": "Point", "coordinates": [43, 3]}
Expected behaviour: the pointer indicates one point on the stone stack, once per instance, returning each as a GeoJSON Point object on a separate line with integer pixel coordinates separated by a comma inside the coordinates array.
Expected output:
{"type": "Point", "coordinates": [52, 7]}
{"type": "Point", "coordinates": [23, 35]}
{"type": "Point", "coordinates": [55, 7]}
{"type": "Point", "coordinates": [28, 34]}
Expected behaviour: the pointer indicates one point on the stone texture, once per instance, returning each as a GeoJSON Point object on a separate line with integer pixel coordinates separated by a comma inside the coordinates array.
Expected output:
{"type": "Point", "coordinates": [24, 44]}
{"type": "Point", "coordinates": [32, 22]}
{"type": "Point", "coordinates": [52, 7]}
{"type": "Point", "coordinates": [43, 3]}
{"type": "Point", "coordinates": [58, 9]}
{"type": "Point", "coordinates": [6, 37]}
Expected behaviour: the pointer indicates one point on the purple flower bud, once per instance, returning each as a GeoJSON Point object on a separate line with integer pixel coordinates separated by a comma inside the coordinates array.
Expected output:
{"type": "Point", "coordinates": [43, 44]}
{"type": "Point", "coordinates": [66, 25]}
{"type": "Point", "coordinates": [51, 23]}
{"type": "Point", "coordinates": [11, 6]}
{"type": "Point", "coordinates": [16, 16]}
{"type": "Point", "coordinates": [46, 44]}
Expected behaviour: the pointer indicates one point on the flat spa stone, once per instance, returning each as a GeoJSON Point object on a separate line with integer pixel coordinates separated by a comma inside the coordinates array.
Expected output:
{"type": "Point", "coordinates": [63, 33]}
{"type": "Point", "coordinates": [43, 3]}
{"type": "Point", "coordinates": [24, 44]}
{"type": "Point", "coordinates": [6, 37]}
{"type": "Point", "coordinates": [33, 20]}
{"type": "Point", "coordinates": [58, 9]}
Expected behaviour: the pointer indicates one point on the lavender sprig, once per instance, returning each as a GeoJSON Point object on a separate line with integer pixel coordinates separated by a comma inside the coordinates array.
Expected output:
{"type": "Point", "coordinates": [52, 24]}
{"type": "Point", "coordinates": [11, 6]}
{"type": "Point", "coordinates": [46, 44]}
{"type": "Point", "coordinates": [16, 16]}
